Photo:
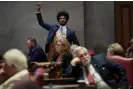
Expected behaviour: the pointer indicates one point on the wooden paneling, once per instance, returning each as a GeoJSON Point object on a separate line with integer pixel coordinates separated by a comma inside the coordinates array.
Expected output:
{"type": "Point", "coordinates": [123, 22]}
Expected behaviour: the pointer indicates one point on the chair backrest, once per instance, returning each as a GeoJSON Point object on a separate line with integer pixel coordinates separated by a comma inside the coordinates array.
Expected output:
{"type": "Point", "coordinates": [91, 52]}
{"type": "Point", "coordinates": [127, 63]}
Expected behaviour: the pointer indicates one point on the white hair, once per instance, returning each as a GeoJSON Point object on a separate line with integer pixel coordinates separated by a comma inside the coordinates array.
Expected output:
{"type": "Point", "coordinates": [72, 47]}
{"type": "Point", "coordinates": [15, 57]}
{"type": "Point", "coordinates": [77, 49]}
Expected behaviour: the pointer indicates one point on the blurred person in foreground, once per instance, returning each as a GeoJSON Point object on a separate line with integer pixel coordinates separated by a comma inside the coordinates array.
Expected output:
{"type": "Point", "coordinates": [15, 68]}
{"type": "Point", "coordinates": [26, 84]}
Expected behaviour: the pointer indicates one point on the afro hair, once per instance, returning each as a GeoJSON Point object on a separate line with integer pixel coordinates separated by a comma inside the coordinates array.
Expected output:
{"type": "Point", "coordinates": [63, 13]}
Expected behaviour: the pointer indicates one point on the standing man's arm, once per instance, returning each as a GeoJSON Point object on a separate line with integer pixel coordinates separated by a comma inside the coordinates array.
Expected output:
{"type": "Point", "coordinates": [75, 40]}
{"type": "Point", "coordinates": [39, 18]}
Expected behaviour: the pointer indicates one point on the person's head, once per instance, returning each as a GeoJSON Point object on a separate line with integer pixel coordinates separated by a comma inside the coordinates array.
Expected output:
{"type": "Point", "coordinates": [62, 46]}
{"type": "Point", "coordinates": [39, 76]}
{"type": "Point", "coordinates": [31, 42]}
{"type": "Point", "coordinates": [72, 47]}
{"type": "Point", "coordinates": [15, 61]}
{"type": "Point", "coordinates": [115, 49]}
{"type": "Point", "coordinates": [82, 54]}
{"type": "Point", "coordinates": [63, 17]}
{"type": "Point", "coordinates": [131, 43]}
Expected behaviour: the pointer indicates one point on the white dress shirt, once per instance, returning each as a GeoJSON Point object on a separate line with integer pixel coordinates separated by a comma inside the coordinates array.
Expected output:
{"type": "Point", "coordinates": [64, 30]}
{"type": "Point", "coordinates": [61, 32]}
{"type": "Point", "coordinates": [100, 83]}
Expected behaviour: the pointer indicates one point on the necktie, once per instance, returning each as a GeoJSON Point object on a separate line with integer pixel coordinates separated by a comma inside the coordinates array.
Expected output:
{"type": "Point", "coordinates": [61, 30]}
{"type": "Point", "coordinates": [91, 79]}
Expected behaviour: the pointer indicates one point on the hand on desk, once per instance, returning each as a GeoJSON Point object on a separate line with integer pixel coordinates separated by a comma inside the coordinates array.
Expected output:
{"type": "Point", "coordinates": [46, 64]}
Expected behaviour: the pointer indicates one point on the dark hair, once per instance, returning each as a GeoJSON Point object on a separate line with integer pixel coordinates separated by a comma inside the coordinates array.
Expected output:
{"type": "Point", "coordinates": [33, 40]}
{"type": "Point", "coordinates": [63, 13]}
{"type": "Point", "coordinates": [26, 84]}
{"type": "Point", "coordinates": [1, 57]}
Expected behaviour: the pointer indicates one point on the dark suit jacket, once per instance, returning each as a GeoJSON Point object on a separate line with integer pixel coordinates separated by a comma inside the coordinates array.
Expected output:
{"type": "Point", "coordinates": [71, 37]}
{"type": "Point", "coordinates": [66, 59]}
{"type": "Point", "coordinates": [37, 55]}
{"type": "Point", "coordinates": [106, 69]}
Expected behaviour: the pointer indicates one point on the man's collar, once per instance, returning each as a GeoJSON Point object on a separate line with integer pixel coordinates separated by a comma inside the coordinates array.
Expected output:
{"type": "Point", "coordinates": [34, 47]}
{"type": "Point", "coordinates": [63, 27]}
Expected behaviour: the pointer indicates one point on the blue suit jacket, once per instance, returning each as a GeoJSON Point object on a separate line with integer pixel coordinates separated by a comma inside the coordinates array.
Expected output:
{"type": "Point", "coordinates": [106, 69]}
{"type": "Point", "coordinates": [71, 37]}
{"type": "Point", "coordinates": [37, 54]}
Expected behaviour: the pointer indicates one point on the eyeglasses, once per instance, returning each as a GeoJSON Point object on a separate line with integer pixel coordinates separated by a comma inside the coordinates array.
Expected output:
{"type": "Point", "coordinates": [58, 45]}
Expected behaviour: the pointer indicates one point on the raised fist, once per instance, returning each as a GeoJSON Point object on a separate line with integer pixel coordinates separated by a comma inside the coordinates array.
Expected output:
{"type": "Point", "coordinates": [38, 7]}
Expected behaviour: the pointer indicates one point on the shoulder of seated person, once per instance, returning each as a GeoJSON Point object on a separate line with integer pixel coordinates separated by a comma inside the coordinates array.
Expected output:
{"type": "Point", "coordinates": [120, 58]}
{"type": "Point", "coordinates": [68, 54]}
{"type": "Point", "coordinates": [99, 55]}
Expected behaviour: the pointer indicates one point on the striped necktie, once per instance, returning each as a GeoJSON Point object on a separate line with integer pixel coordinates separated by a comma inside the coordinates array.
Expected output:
{"type": "Point", "coordinates": [61, 29]}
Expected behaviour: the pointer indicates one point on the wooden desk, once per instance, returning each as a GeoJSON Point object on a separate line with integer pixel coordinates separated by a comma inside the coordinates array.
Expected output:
{"type": "Point", "coordinates": [64, 83]}
{"type": "Point", "coordinates": [71, 86]}
{"type": "Point", "coordinates": [61, 81]}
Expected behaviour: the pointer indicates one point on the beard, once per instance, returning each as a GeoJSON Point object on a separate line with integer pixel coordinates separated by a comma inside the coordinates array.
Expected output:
{"type": "Point", "coordinates": [63, 23]}
{"type": "Point", "coordinates": [86, 63]}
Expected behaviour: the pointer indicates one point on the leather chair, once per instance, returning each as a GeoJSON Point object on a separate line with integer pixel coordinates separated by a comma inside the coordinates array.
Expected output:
{"type": "Point", "coordinates": [91, 52]}
{"type": "Point", "coordinates": [127, 63]}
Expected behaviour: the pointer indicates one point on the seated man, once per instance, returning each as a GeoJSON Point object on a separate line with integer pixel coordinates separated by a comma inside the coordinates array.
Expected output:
{"type": "Point", "coordinates": [36, 53]}
{"type": "Point", "coordinates": [15, 68]}
{"type": "Point", "coordinates": [115, 51]}
{"type": "Point", "coordinates": [98, 72]}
